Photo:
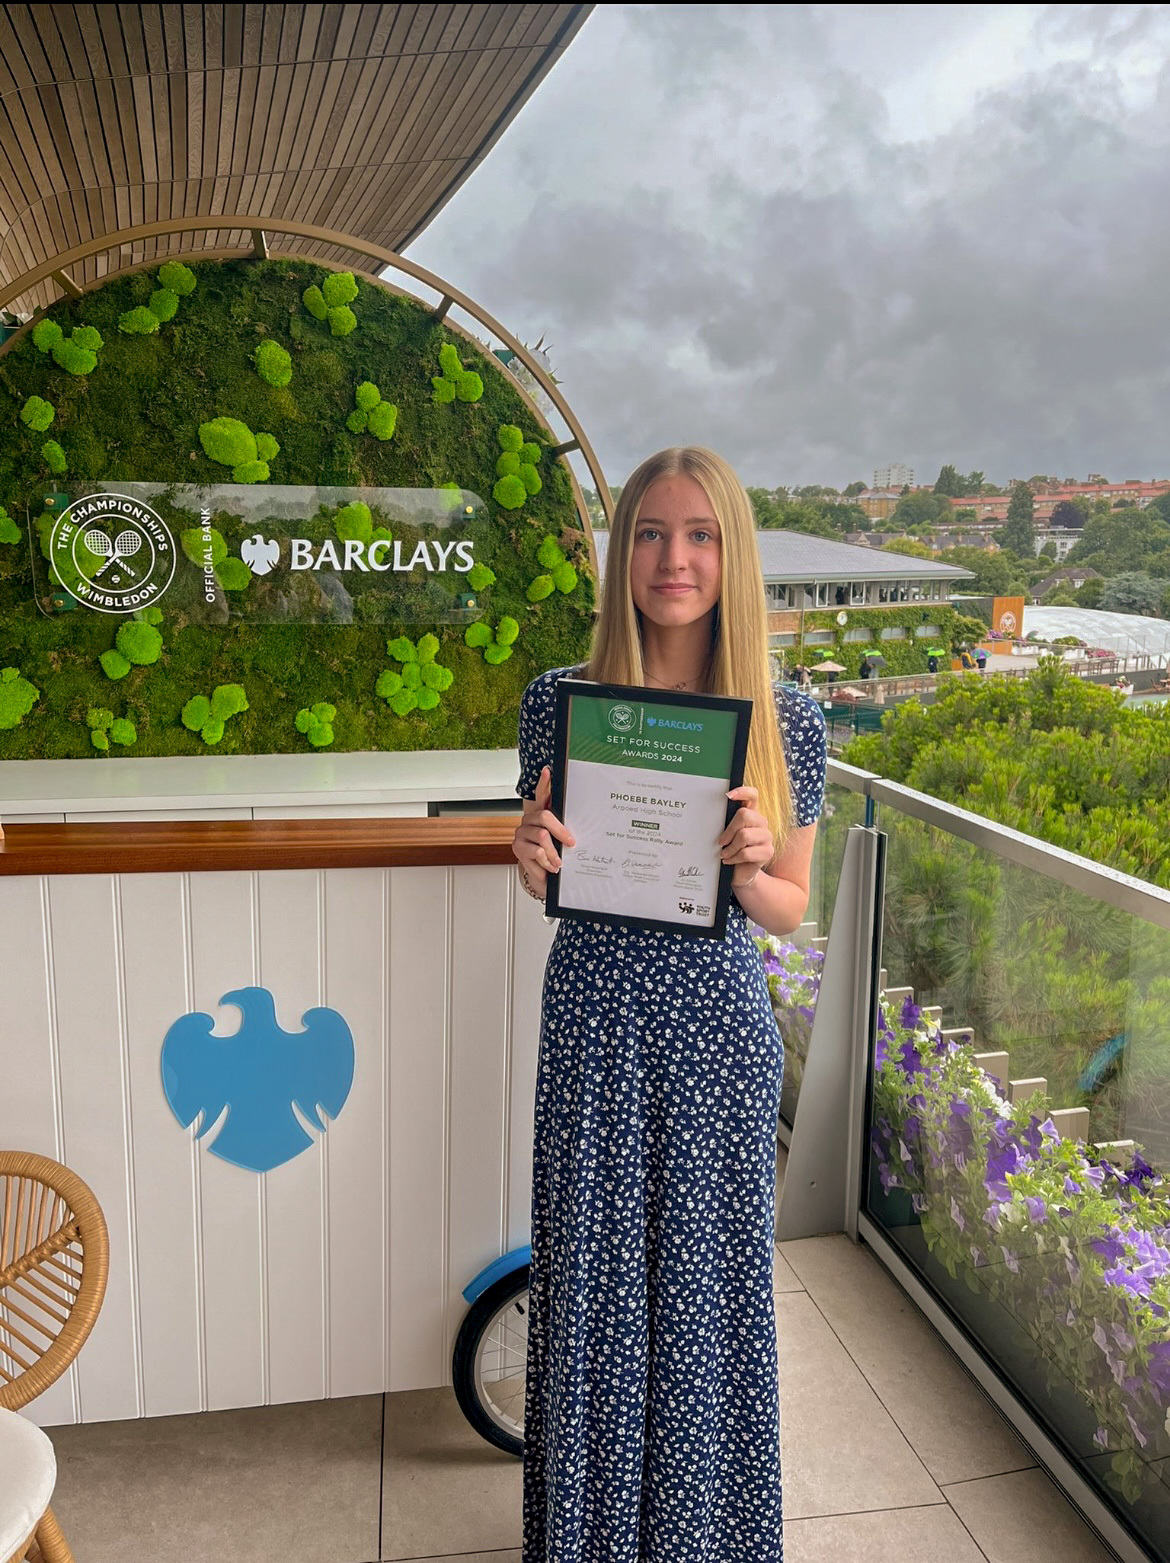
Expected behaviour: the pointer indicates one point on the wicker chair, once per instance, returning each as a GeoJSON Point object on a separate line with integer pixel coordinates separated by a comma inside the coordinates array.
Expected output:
{"type": "Point", "coordinates": [54, 1264]}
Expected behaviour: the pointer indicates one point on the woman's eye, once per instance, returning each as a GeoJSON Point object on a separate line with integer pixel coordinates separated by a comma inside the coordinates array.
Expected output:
{"type": "Point", "coordinates": [647, 534]}
{"type": "Point", "coordinates": [701, 536]}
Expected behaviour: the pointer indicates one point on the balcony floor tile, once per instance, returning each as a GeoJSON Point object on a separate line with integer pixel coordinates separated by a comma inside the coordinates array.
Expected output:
{"type": "Point", "coordinates": [1007, 1515]}
{"type": "Point", "coordinates": [444, 1489]}
{"type": "Point", "coordinates": [949, 1422]}
{"type": "Point", "coordinates": [842, 1451]}
{"type": "Point", "coordinates": [892, 1536]}
{"type": "Point", "coordinates": [783, 1278]}
{"type": "Point", "coordinates": [279, 1484]}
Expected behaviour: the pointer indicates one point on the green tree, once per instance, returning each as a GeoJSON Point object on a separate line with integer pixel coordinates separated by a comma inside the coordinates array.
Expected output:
{"type": "Point", "coordinates": [994, 572]}
{"type": "Point", "coordinates": [1071, 513]}
{"type": "Point", "coordinates": [1061, 596]}
{"type": "Point", "coordinates": [1019, 532]}
{"type": "Point", "coordinates": [914, 508]}
{"type": "Point", "coordinates": [1088, 593]}
{"type": "Point", "coordinates": [973, 485]}
{"type": "Point", "coordinates": [1133, 592]}
{"type": "Point", "coordinates": [949, 482]}
{"type": "Point", "coordinates": [851, 490]}
{"type": "Point", "coordinates": [1049, 550]}
{"type": "Point", "coordinates": [908, 546]}
{"type": "Point", "coordinates": [1118, 542]}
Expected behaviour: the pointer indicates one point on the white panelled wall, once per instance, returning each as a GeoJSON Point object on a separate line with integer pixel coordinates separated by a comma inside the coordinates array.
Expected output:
{"type": "Point", "coordinates": [340, 1272]}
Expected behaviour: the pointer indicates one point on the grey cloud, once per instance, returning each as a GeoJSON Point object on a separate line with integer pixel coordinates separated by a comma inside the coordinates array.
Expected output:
{"type": "Point", "coordinates": [705, 211]}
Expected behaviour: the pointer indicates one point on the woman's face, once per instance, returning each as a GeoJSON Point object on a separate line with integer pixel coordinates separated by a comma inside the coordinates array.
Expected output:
{"type": "Point", "coordinates": [675, 572]}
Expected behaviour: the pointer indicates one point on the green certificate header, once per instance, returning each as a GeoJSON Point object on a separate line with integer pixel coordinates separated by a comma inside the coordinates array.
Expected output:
{"type": "Point", "coordinates": [657, 737]}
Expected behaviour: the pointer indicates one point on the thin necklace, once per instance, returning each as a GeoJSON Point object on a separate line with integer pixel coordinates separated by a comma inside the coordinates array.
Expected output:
{"type": "Point", "coordinates": [682, 684]}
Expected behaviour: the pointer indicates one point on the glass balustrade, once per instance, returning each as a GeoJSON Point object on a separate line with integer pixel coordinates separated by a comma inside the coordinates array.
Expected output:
{"type": "Point", "coordinates": [1018, 1155]}
{"type": "Point", "coordinates": [794, 963]}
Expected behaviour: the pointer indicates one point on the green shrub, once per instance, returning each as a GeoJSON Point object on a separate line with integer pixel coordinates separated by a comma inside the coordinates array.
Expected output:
{"type": "Point", "coordinates": [251, 472]}
{"type": "Point", "coordinates": [506, 631]}
{"type": "Point", "coordinates": [565, 578]}
{"type": "Point", "coordinates": [497, 654]}
{"type": "Point", "coordinates": [316, 723]}
{"type": "Point", "coordinates": [195, 542]}
{"type": "Point", "coordinates": [314, 301]}
{"type": "Point", "coordinates": [139, 643]}
{"type": "Point", "coordinates": [9, 531]}
{"type": "Point", "coordinates": [17, 697]}
{"type": "Point", "coordinates": [228, 441]}
{"type": "Point", "coordinates": [176, 277]}
{"type": "Point", "coordinates": [138, 322]}
{"type": "Point", "coordinates": [196, 713]}
{"type": "Point", "coordinates": [37, 413]}
{"type": "Point", "coordinates": [367, 396]}
{"type": "Point", "coordinates": [123, 732]}
{"type": "Point", "coordinates": [267, 447]}
{"type": "Point", "coordinates": [54, 457]}
{"type": "Point", "coordinates": [234, 575]}
{"type": "Point", "coordinates": [427, 648]}
{"type": "Point", "coordinates": [540, 588]}
{"type": "Point", "coordinates": [511, 440]}
{"type": "Point", "coordinates": [352, 523]}
{"type": "Point", "coordinates": [273, 363]}
{"type": "Point", "coordinates": [46, 334]}
{"type": "Point", "coordinates": [510, 493]}
{"type": "Point", "coordinates": [88, 337]}
{"type": "Point", "coordinates": [383, 419]}
{"type": "Point", "coordinates": [228, 700]}
{"type": "Point", "coordinates": [114, 664]}
{"type": "Point", "coordinates": [339, 288]}
{"type": "Point", "coordinates": [164, 304]}
{"type": "Point", "coordinates": [507, 465]}
{"type": "Point", "coordinates": [478, 635]}
{"type": "Point", "coordinates": [402, 649]}
{"type": "Point", "coordinates": [342, 320]}
{"type": "Point", "coordinates": [550, 553]}
{"type": "Point", "coordinates": [389, 683]}
{"type": "Point", "coordinates": [479, 577]}
{"type": "Point", "coordinates": [444, 390]}
{"type": "Point", "coordinates": [404, 702]}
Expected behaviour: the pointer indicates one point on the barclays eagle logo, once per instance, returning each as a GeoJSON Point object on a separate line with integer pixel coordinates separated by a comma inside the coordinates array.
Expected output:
{"type": "Point", "coordinates": [259, 1076]}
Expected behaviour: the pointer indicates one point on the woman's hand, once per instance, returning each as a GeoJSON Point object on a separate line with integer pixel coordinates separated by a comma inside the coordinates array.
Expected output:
{"type": "Point", "coordinates": [532, 845]}
{"type": "Point", "coordinates": [747, 841]}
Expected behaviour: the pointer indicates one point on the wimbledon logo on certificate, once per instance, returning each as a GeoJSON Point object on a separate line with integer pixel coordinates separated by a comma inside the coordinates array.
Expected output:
{"type": "Point", "coordinates": [646, 786]}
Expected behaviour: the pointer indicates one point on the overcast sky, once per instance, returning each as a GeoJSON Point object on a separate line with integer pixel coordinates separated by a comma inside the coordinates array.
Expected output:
{"type": "Point", "coordinates": [822, 239]}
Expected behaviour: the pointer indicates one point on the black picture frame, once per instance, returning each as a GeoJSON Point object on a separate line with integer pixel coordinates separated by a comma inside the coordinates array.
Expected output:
{"type": "Point", "coordinates": [569, 689]}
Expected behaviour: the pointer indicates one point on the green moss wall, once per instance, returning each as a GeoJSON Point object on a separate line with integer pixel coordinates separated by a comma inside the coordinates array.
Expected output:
{"type": "Point", "coordinates": [136, 415]}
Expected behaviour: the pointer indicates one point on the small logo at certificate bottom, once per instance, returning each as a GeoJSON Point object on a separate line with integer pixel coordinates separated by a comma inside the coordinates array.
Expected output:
{"type": "Point", "coordinates": [687, 908]}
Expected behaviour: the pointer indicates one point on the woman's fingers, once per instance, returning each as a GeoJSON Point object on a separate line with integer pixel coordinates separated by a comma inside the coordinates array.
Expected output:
{"type": "Point", "coordinates": [744, 819]}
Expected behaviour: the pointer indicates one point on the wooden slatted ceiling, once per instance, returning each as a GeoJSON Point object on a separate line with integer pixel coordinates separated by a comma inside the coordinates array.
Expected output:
{"type": "Point", "coordinates": [360, 118]}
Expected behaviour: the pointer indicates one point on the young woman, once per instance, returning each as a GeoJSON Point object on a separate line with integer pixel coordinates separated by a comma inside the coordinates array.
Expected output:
{"type": "Point", "coordinates": [651, 1412]}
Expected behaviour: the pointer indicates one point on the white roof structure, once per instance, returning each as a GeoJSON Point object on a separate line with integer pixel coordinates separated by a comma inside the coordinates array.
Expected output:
{"type": "Point", "coordinates": [1128, 634]}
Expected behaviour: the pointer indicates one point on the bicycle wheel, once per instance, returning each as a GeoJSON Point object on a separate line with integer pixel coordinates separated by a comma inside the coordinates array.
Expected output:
{"type": "Point", "coordinates": [491, 1353]}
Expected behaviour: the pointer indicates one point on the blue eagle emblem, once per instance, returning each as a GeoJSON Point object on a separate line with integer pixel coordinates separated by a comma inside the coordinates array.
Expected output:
{"type": "Point", "coordinates": [260, 1075]}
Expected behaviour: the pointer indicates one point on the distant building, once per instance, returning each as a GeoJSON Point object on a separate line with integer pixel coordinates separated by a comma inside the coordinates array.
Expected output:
{"type": "Point", "coordinates": [1072, 575]}
{"type": "Point", "coordinates": [993, 507]}
{"type": "Point", "coordinates": [878, 503]}
{"type": "Point", "coordinates": [897, 476]}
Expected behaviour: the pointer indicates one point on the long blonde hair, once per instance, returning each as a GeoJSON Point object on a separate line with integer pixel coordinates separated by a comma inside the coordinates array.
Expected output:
{"type": "Point", "coordinates": [739, 646]}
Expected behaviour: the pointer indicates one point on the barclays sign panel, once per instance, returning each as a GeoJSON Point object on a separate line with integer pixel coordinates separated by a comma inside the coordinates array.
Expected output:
{"type": "Point", "coordinates": [259, 1076]}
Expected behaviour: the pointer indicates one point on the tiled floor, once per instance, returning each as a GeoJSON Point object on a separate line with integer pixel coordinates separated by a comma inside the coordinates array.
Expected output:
{"type": "Point", "coordinates": [892, 1455]}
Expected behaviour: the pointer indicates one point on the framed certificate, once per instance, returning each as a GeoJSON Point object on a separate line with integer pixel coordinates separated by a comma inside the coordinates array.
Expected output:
{"type": "Point", "coordinates": [641, 779]}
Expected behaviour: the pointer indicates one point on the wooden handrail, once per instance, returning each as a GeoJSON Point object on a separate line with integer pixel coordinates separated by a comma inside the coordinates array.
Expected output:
{"type": "Point", "coordinates": [207, 846]}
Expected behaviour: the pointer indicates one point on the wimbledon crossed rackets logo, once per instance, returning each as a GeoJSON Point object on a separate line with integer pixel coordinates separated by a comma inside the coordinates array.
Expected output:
{"type": "Point", "coordinates": [112, 552]}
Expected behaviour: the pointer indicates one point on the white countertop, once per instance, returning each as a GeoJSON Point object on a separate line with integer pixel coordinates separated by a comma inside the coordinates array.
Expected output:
{"type": "Point", "coordinates": [239, 781]}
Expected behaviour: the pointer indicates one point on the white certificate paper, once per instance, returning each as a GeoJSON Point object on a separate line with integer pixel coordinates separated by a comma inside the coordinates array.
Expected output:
{"type": "Point", "coordinates": [642, 783]}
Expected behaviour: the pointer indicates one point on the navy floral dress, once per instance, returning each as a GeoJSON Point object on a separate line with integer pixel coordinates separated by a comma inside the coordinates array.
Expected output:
{"type": "Point", "coordinates": [652, 1419]}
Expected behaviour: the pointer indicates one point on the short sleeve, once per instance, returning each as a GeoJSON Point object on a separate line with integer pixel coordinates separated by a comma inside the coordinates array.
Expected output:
{"type": "Point", "coordinates": [802, 725]}
{"type": "Point", "coordinates": [535, 733]}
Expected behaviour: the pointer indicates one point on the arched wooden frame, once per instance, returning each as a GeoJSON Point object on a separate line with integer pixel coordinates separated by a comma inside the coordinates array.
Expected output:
{"type": "Point", "coordinates": [260, 227]}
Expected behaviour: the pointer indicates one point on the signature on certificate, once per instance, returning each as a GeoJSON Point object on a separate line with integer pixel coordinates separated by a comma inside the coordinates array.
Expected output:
{"type": "Point", "coordinates": [593, 857]}
{"type": "Point", "coordinates": [693, 872]}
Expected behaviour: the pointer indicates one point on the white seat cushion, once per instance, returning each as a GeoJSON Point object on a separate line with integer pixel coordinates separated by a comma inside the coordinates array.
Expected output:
{"type": "Point", "coordinates": [28, 1471]}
